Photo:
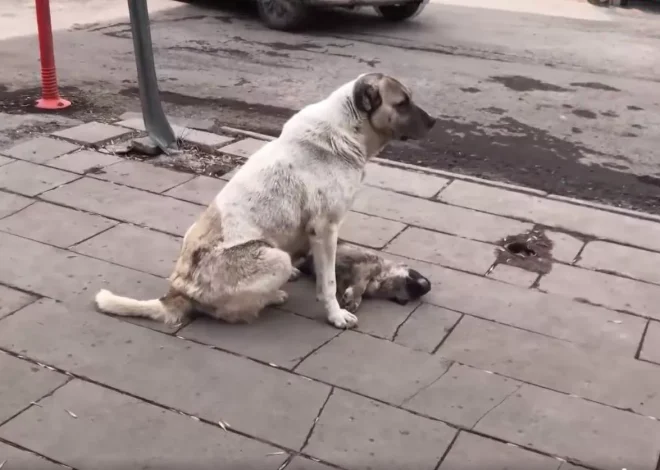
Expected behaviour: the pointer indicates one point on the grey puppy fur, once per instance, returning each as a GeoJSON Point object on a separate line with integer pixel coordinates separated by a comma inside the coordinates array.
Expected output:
{"type": "Point", "coordinates": [364, 274]}
{"type": "Point", "coordinates": [289, 197]}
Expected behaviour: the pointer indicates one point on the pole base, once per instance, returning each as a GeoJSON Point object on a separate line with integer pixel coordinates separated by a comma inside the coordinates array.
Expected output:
{"type": "Point", "coordinates": [52, 103]}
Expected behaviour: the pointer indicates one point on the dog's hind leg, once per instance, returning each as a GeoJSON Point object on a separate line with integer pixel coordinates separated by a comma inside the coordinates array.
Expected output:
{"type": "Point", "coordinates": [261, 273]}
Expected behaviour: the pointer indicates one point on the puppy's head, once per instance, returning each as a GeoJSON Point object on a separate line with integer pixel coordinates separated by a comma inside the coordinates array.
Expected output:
{"type": "Point", "coordinates": [401, 284]}
{"type": "Point", "coordinates": [389, 107]}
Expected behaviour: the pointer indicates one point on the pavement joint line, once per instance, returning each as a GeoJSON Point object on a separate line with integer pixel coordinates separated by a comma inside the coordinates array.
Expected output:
{"type": "Point", "coordinates": [19, 210]}
{"type": "Point", "coordinates": [497, 405]}
{"type": "Point", "coordinates": [231, 429]}
{"type": "Point", "coordinates": [447, 450]}
{"type": "Point", "coordinates": [316, 419]}
{"type": "Point", "coordinates": [316, 349]}
{"type": "Point", "coordinates": [107, 229]}
{"type": "Point", "coordinates": [37, 297]}
{"type": "Point", "coordinates": [519, 189]}
{"type": "Point", "coordinates": [36, 402]}
{"type": "Point", "coordinates": [429, 385]}
{"type": "Point", "coordinates": [449, 331]}
{"type": "Point", "coordinates": [292, 372]}
{"type": "Point", "coordinates": [405, 320]}
{"type": "Point", "coordinates": [641, 341]}
{"type": "Point", "coordinates": [451, 425]}
{"type": "Point", "coordinates": [83, 254]}
{"type": "Point", "coordinates": [30, 451]}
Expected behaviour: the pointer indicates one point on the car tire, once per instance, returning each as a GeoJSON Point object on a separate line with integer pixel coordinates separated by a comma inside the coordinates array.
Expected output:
{"type": "Point", "coordinates": [283, 15]}
{"type": "Point", "coordinates": [399, 12]}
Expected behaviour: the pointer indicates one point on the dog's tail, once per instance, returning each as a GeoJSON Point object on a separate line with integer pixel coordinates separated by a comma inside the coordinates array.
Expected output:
{"type": "Point", "coordinates": [171, 308]}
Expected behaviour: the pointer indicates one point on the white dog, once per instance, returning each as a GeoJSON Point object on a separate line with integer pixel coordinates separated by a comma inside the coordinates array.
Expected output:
{"type": "Point", "coordinates": [290, 197]}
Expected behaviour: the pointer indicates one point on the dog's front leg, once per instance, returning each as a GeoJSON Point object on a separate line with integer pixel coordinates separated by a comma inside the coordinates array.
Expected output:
{"type": "Point", "coordinates": [324, 249]}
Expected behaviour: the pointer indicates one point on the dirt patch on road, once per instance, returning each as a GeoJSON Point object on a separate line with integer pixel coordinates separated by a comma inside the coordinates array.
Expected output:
{"type": "Point", "coordinates": [521, 83]}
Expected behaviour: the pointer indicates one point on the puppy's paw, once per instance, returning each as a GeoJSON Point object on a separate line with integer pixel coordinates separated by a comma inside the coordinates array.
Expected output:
{"type": "Point", "coordinates": [350, 301]}
{"type": "Point", "coordinates": [279, 298]}
{"type": "Point", "coordinates": [343, 319]}
{"type": "Point", "coordinates": [295, 274]}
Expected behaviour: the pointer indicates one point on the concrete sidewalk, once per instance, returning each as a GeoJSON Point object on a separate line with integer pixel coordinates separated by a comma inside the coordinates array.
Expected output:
{"type": "Point", "coordinates": [511, 362]}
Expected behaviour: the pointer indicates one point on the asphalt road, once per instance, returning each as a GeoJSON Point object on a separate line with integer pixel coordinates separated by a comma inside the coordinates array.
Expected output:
{"type": "Point", "coordinates": [564, 97]}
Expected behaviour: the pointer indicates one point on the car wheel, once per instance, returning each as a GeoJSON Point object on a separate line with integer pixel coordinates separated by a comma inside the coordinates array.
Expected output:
{"type": "Point", "coordinates": [399, 12]}
{"type": "Point", "coordinates": [283, 15]}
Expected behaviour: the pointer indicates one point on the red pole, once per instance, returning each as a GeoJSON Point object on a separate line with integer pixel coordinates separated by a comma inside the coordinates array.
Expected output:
{"type": "Point", "coordinates": [50, 96]}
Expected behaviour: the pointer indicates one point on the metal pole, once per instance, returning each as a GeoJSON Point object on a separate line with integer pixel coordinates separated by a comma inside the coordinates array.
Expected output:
{"type": "Point", "coordinates": [154, 117]}
{"type": "Point", "coordinates": [50, 95]}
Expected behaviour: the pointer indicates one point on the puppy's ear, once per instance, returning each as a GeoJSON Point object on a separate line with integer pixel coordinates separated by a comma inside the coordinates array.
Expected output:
{"type": "Point", "coordinates": [417, 285]}
{"type": "Point", "coordinates": [366, 92]}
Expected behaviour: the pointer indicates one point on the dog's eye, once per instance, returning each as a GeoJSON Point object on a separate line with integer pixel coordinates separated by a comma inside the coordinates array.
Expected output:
{"type": "Point", "coordinates": [403, 103]}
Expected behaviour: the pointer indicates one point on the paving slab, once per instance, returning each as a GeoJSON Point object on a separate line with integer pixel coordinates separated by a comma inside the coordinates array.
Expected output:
{"type": "Point", "coordinates": [255, 399]}
{"type": "Point", "coordinates": [30, 180]}
{"type": "Point", "coordinates": [227, 176]}
{"type": "Point", "coordinates": [373, 367]}
{"type": "Point", "coordinates": [445, 250]}
{"type": "Point", "coordinates": [355, 432]}
{"type": "Point", "coordinates": [17, 459]}
{"type": "Point", "coordinates": [109, 424]}
{"type": "Point", "coordinates": [204, 140]}
{"type": "Point", "coordinates": [368, 230]}
{"type": "Point", "coordinates": [512, 275]}
{"type": "Point", "coordinates": [143, 175]}
{"type": "Point", "coordinates": [565, 247]}
{"type": "Point", "coordinates": [382, 318]}
{"type": "Point", "coordinates": [472, 452]}
{"type": "Point", "coordinates": [277, 337]}
{"type": "Point", "coordinates": [619, 259]}
{"type": "Point", "coordinates": [402, 181]}
{"type": "Point", "coordinates": [555, 364]}
{"type": "Point", "coordinates": [243, 148]}
{"type": "Point", "coordinates": [199, 190]}
{"type": "Point", "coordinates": [597, 288]}
{"type": "Point", "coordinates": [599, 328]}
{"type": "Point", "coordinates": [462, 396]}
{"type": "Point", "coordinates": [92, 133]}
{"type": "Point", "coordinates": [40, 149]}
{"type": "Point", "coordinates": [134, 247]}
{"type": "Point", "coordinates": [127, 204]}
{"type": "Point", "coordinates": [12, 300]}
{"type": "Point", "coordinates": [594, 222]}
{"type": "Point", "coordinates": [301, 463]}
{"type": "Point", "coordinates": [426, 327]}
{"type": "Point", "coordinates": [67, 276]}
{"type": "Point", "coordinates": [436, 216]}
{"type": "Point", "coordinates": [651, 347]}
{"type": "Point", "coordinates": [84, 161]}
{"type": "Point", "coordinates": [22, 383]}
{"type": "Point", "coordinates": [38, 221]}
{"type": "Point", "coordinates": [596, 435]}
{"type": "Point", "coordinates": [11, 203]}
{"type": "Point", "coordinates": [5, 160]}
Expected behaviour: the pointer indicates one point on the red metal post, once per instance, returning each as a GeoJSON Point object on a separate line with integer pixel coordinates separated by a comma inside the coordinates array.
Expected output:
{"type": "Point", "coordinates": [50, 95]}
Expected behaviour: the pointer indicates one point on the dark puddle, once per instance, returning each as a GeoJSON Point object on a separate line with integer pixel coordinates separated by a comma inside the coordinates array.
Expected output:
{"type": "Point", "coordinates": [521, 83]}
{"type": "Point", "coordinates": [531, 251]}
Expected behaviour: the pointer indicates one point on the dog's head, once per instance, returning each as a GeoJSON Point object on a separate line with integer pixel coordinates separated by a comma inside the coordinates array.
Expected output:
{"type": "Point", "coordinates": [389, 107]}
{"type": "Point", "coordinates": [402, 284]}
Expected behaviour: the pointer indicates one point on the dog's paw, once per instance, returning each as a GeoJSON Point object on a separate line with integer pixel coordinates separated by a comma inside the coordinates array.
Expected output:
{"type": "Point", "coordinates": [343, 319]}
{"type": "Point", "coordinates": [350, 301]}
{"type": "Point", "coordinates": [295, 274]}
{"type": "Point", "coordinates": [279, 298]}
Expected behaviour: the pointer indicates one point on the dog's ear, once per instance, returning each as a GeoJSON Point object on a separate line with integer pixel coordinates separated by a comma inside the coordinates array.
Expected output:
{"type": "Point", "coordinates": [417, 285]}
{"type": "Point", "coordinates": [366, 92]}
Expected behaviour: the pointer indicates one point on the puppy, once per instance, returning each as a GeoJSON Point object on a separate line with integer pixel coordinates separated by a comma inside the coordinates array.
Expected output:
{"type": "Point", "coordinates": [289, 197]}
{"type": "Point", "coordinates": [361, 273]}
